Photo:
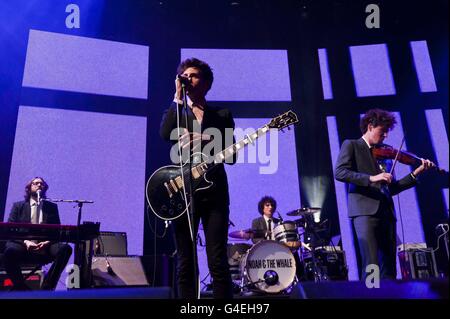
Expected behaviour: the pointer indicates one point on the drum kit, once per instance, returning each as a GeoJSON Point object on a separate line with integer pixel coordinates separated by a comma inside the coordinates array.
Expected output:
{"type": "Point", "coordinates": [270, 266]}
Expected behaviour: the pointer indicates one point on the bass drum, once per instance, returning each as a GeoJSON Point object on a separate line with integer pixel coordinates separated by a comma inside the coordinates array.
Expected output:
{"type": "Point", "coordinates": [235, 253]}
{"type": "Point", "coordinates": [269, 266]}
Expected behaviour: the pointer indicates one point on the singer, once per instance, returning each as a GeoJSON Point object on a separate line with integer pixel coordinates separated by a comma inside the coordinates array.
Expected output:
{"type": "Point", "coordinates": [211, 205]}
{"type": "Point", "coordinates": [34, 209]}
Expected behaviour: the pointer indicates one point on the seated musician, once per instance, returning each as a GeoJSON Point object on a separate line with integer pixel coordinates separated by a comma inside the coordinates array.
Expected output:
{"type": "Point", "coordinates": [264, 225]}
{"type": "Point", "coordinates": [263, 228]}
{"type": "Point", "coordinates": [17, 252]}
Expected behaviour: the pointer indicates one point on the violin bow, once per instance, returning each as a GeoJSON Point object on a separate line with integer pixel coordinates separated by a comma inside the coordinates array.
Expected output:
{"type": "Point", "coordinates": [396, 156]}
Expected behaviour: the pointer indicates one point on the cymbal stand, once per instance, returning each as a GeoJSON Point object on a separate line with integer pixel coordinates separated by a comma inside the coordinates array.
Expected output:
{"type": "Point", "coordinates": [310, 229]}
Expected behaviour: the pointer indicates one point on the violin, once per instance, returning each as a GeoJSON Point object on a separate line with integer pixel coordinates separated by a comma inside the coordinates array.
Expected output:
{"type": "Point", "coordinates": [384, 152]}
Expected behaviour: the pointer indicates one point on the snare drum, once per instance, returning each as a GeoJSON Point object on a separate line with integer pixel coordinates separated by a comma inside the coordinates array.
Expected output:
{"type": "Point", "coordinates": [287, 233]}
{"type": "Point", "coordinates": [269, 266]}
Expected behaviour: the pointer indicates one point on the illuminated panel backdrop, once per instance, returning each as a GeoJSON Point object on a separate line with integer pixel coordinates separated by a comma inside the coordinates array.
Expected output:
{"type": "Point", "coordinates": [439, 138]}
{"type": "Point", "coordinates": [325, 74]}
{"type": "Point", "coordinates": [424, 69]}
{"type": "Point", "coordinates": [79, 64]}
{"type": "Point", "coordinates": [246, 75]}
{"type": "Point", "coordinates": [372, 70]}
{"type": "Point", "coordinates": [341, 196]}
{"type": "Point", "coordinates": [84, 155]}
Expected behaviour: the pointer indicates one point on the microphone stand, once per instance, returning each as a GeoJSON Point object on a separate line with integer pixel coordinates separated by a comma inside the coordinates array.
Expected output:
{"type": "Point", "coordinates": [78, 255]}
{"type": "Point", "coordinates": [190, 212]}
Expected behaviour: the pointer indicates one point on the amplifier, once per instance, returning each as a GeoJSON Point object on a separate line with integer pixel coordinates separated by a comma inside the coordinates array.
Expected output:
{"type": "Point", "coordinates": [330, 259]}
{"type": "Point", "coordinates": [111, 244]}
{"type": "Point", "coordinates": [417, 261]}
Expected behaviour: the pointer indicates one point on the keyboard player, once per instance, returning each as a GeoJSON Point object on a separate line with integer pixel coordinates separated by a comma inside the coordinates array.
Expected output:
{"type": "Point", "coordinates": [17, 252]}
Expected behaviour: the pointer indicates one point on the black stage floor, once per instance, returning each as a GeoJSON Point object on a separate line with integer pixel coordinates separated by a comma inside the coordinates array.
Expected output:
{"type": "Point", "coordinates": [394, 289]}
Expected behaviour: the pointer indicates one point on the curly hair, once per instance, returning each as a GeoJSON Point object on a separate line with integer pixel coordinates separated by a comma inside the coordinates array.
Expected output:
{"type": "Point", "coordinates": [377, 117]}
{"type": "Point", "coordinates": [204, 68]}
{"type": "Point", "coordinates": [28, 188]}
{"type": "Point", "coordinates": [263, 201]}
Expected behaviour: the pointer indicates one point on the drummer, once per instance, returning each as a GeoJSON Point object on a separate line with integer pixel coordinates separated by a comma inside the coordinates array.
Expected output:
{"type": "Point", "coordinates": [263, 229]}
{"type": "Point", "coordinates": [264, 225]}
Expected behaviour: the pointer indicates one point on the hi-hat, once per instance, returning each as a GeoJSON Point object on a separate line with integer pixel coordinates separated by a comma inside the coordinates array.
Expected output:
{"type": "Point", "coordinates": [247, 234]}
{"type": "Point", "coordinates": [304, 211]}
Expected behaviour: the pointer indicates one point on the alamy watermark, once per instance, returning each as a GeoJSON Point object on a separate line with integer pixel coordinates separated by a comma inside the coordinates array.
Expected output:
{"type": "Point", "coordinates": [373, 276]}
{"type": "Point", "coordinates": [73, 19]}
{"type": "Point", "coordinates": [73, 276]}
{"type": "Point", "coordinates": [217, 147]}
{"type": "Point", "coordinates": [373, 19]}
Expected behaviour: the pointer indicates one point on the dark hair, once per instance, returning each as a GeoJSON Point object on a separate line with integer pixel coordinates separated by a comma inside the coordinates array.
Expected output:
{"type": "Point", "coordinates": [377, 117]}
{"type": "Point", "coordinates": [204, 68]}
{"type": "Point", "coordinates": [266, 199]}
{"type": "Point", "coordinates": [28, 188]}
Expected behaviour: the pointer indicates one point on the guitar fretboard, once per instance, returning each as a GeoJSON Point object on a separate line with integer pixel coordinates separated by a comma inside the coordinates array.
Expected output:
{"type": "Point", "coordinates": [230, 151]}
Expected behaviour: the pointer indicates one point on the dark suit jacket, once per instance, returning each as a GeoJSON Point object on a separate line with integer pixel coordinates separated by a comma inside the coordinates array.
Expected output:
{"type": "Point", "coordinates": [260, 226]}
{"type": "Point", "coordinates": [21, 213]}
{"type": "Point", "coordinates": [212, 118]}
{"type": "Point", "coordinates": [355, 164]}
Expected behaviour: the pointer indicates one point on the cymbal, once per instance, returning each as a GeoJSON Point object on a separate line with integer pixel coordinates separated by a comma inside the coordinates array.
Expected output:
{"type": "Point", "coordinates": [247, 234]}
{"type": "Point", "coordinates": [242, 234]}
{"type": "Point", "coordinates": [304, 211]}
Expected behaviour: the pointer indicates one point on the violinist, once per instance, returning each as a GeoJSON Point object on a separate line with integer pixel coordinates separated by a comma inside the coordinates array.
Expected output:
{"type": "Point", "coordinates": [370, 191]}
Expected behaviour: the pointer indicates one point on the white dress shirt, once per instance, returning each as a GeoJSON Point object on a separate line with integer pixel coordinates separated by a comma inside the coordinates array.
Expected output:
{"type": "Point", "coordinates": [272, 226]}
{"type": "Point", "coordinates": [36, 212]}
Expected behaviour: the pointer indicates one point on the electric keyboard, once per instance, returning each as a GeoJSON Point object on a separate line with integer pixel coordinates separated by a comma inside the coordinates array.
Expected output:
{"type": "Point", "coordinates": [52, 232]}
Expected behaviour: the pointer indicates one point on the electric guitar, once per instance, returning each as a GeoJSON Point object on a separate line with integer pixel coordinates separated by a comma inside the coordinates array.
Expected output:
{"type": "Point", "coordinates": [166, 188]}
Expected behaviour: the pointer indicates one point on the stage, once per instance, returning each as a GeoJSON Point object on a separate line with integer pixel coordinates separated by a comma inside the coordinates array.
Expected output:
{"type": "Point", "coordinates": [388, 290]}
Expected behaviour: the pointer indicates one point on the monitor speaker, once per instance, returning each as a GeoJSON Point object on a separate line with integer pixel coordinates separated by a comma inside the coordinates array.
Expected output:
{"type": "Point", "coordinates": [118, 271]}
{"type": "Point", "coordinates": [388, 289]}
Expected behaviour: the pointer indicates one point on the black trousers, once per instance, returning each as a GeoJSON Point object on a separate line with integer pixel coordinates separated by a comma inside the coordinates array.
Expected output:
{"type": "Point", "coordinates": [376, 242]}
{"type": "Point", "coordinates": [16, 254]}
{"type": "Point", "coordinates": [215, 224]}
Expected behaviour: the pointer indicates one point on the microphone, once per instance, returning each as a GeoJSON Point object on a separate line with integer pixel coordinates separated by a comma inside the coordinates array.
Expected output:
{"type": "Point", "coordinates": [184, 80]}
{"type": "Point", "coordinates": [38, 193]}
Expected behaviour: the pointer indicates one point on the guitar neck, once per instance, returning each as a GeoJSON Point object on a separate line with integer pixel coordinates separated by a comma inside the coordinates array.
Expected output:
{"type": "Point", "coordinates": [200, 169]}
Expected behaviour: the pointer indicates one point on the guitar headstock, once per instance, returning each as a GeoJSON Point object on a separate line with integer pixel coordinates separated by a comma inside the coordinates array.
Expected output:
{"type": "Point", "coordinates": [283, 120]}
